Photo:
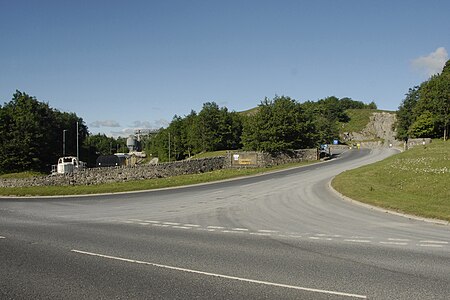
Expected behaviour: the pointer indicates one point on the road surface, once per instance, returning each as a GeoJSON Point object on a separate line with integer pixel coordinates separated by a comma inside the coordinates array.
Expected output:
{"type": "Point", "coordinates": [282, 235]}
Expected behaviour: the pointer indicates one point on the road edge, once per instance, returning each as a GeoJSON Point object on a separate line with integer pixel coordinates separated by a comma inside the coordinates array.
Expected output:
{"type": "Point", "coordinates": [385, 210]}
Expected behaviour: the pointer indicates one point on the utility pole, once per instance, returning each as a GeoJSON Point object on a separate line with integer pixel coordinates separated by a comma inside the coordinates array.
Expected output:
{"type": "Point", "coordinates": [64, 142]}
{"type": "Point", "coordinates": [169, 146]}
{"type": "Point", "coordinates": [78, 150]}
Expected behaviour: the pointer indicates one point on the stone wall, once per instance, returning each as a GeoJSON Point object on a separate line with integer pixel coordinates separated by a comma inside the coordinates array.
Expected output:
{"type": "Point", "coordinates": [242, 159]}
{"type": "Point", "coordinates": [126, 173]}
{"type": "Point", "coordinates": [120, 174]}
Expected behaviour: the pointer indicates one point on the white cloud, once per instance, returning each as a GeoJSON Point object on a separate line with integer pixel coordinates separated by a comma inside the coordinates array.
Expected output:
{"type": "Point", "coordinates": [105, 123]}
{"type": "Point", "coordinates": [432, 63]}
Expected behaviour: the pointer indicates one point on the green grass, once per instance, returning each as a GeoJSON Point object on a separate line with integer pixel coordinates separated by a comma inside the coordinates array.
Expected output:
{"type": "Point", "coordinates": [141, 184]}
{"type": "Point", "coordinates": [415, 182]}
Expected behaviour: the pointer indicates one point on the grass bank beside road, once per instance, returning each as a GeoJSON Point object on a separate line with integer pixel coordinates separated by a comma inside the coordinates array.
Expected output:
{"type": "Point", "coordinates": [415, 182]}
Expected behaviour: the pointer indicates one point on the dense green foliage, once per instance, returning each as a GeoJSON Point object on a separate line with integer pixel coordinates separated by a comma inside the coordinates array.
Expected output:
{"type": "Point", "coordinates": [31, 134]}
{"type": "Point", "coordinates": [277, 124]}
{"type": "Point", "coordinates": [425, 112]}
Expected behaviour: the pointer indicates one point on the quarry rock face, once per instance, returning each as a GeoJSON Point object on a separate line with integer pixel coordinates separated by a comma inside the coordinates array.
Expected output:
{"type": "Point", "coordinates": [378, 132]}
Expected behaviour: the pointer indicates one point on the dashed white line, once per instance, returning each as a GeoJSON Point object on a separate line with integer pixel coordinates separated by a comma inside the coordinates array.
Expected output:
{"type": "Point", "coordinates": [171, 223]}
{"type": "Point", "coordinates": [181, 227]}
{"type": "Point", "coordinates": [222, 276]}
{"type": "Point", "coordinates": [240, 229]}
{"type": "Point", "coordinates": [136, 220]}
{"type": "Point", "coordinates": [260, 233]}
{"type": "Point", "coordinates": [2, 237]}
{"type": "Point", "coordinates": [191, 225]}
{"type": "Point", "coordinates": [435, 242]}
{"type": "Point", "coordinates": [215, 227]}
{"type": "Point", "coordinates": [144, 223]}
{"type": "Point", "coordinates": [267, 231]}
{"type": "Point", "coordinates": [399, 240]}
{"type": "Point", "coordinates": [160, 225]}
{"type": "Point", "coordinates": [357, 241]}
{"type": "Point", "coordinates": [394, 243]}
{"type": "Point", "coordinates": [431, 245]}
{"type": "Point", "coordinates": [153, 222]}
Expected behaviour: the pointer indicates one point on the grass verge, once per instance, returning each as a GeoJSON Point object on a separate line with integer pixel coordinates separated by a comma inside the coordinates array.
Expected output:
{"type": "Point", "coordinates": [139, 185]}
{"type": "Point", "coordinates": [414, 182]}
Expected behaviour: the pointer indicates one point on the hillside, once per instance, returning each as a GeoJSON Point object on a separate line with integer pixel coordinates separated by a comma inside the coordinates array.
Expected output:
{"type": "Point", "coordinates": [368, 125]}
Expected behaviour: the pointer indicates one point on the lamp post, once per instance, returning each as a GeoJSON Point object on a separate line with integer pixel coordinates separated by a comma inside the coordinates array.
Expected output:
{"type": "Point", "coordinates": [64, 142]}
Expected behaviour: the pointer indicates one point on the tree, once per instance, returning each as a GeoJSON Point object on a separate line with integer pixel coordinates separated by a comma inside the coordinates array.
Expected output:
{"type": "Point", "coordinates": [423, 126]}
{"type": "Point", "coordinates": [405, 113]}
{"type": "Point", "coordinates": [31, 134]}
{"type": "Point", "coordinates": [279, 125]}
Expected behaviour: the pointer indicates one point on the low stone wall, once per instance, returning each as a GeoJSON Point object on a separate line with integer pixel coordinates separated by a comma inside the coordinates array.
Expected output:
{"type": "Point", "coordinates": [242, 159]}
{"type": "Point", "coordinates": [417, 142]}
{"type": "Point", "coordinates": [92, 176]}
{"type": "Point", "coordinates": [121, 174]}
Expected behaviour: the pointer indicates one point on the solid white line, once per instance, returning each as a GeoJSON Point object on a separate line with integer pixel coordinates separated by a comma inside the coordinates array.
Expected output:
{"type": "Point", "coordinates": [435, 242]}
{"type": "Point", "coordinates": [222, 276]}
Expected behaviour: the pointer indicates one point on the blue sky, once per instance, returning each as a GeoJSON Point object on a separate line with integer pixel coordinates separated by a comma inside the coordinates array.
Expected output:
{"type": "Point", "coordinates": [122, 65]}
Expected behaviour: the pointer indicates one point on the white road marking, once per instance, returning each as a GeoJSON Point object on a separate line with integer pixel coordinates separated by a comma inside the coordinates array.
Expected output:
{"type": "Point", "coordinates": [394, 243]}
{"type": "Point", "coordinates": [240, 229]}
{"type": "Point", "coordinates": [128, 222]}
{"type": "Point", "coordinates": [231, 231]}
{"type": "Point", "coordinates": [295, 236]}
{"type": "Point", "coordinates": [431, 245]}
{"type": "Point", "coordinates": [357, 241]}
{"type": "Point", "coordinates": [153, 222]}
{"type": "Point", "coordinates": [267, 231]}
{"type": "Point", "coordinates": [435, 242]}
{"type": "Point", "coordinates": [2, 237]}
{"type": "Point", "coordinates": [216, 227]}
{"type": "Point", "coordinates": [399, 240]}
{"type": "Point", "coordinates": [143, 223]}
{"type": "Point", "coordinates": [182, 227]}
{"type": "Point", "coordinates": [171, 223]}
{"type": "Point", "coordinates": [222, 276]}
{"type": "Point", "coordinates": [160, 225]}
{"type": "Point", "coordinates": [136, 220]}
{"type": "Point", "coordinates": [191, 225]}
{"type": "Point", "coordinates": [320, 238]}
{"type": "Point", "coordinates": [260, 233]}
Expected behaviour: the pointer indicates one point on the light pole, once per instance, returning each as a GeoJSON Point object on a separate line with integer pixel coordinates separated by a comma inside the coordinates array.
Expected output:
{"type": "Point", "coordinates": [64, 142]}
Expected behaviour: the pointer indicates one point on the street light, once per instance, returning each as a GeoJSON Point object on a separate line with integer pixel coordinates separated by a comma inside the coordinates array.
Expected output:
{"type": "Point", "coordinates": [64, 142]}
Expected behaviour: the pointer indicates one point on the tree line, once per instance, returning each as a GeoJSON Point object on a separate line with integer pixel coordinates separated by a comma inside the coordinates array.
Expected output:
{"type": "Point", "coordinates": [425, 111]}
{"type": "Point", "coordinates": [277, 124]}
{"type": "Point", "coordinates": [34, 135]}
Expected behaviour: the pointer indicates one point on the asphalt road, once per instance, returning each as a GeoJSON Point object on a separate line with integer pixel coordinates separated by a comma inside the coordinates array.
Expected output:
{"type": "Point", "coordinates": [282, 235]}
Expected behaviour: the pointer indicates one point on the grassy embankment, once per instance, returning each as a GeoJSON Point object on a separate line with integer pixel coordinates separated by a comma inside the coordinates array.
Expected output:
{"type": "Point", "coordinates": [141, 184]}
{"type": "Point", "coordinates": [415, 182]}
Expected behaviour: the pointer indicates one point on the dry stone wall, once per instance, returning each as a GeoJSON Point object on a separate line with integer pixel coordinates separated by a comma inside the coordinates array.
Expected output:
{"type": "Point", "coordinates": [93, 176]}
